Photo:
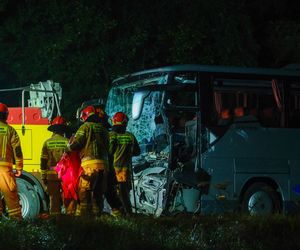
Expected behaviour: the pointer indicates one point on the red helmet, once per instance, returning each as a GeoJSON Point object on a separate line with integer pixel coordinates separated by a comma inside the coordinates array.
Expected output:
{"type": "Point", "coordinates": [58, 124]}
{"type": "Point", "coordinates": [3, 108]}
{"type": "Point", "coordinates": [120, 119]}
{"type": "Point", "coordinates": [87, 112]}
{"type": "Point", "coordinates": [59, 120]}
{"type": "Point", "coordinates": [101, 113]}
{"type": "Point", "coordinates": [3, 111]}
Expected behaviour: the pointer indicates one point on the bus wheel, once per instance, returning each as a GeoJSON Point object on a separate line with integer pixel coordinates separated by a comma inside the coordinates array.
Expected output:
{"type": "Point", "coordinates": [29, 199]}
{"type": "Point", "coordinates": [261, 199]}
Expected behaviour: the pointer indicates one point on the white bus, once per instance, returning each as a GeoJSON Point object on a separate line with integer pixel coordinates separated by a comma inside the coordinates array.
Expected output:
{"type": "Point", "coordinates": [214, 139]}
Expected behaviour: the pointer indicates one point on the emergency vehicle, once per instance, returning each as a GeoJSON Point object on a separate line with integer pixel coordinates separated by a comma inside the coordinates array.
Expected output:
{"type": "Point", "coordinates": [31, 121]}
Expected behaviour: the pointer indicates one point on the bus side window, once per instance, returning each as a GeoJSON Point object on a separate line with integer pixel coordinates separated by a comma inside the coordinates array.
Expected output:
{"type": "Point", "coordinates": [253, 112]}
{"type": "Point", "coordinates": [270, 117]}
{"type": "Point", "coordinates": [239, 112]}
{"type": "Point", "coordinates": [294, 107]}
{"type": "Point", "coordinates": [295, 119]}
{"type": "Point", "coordinates": [225, 118]}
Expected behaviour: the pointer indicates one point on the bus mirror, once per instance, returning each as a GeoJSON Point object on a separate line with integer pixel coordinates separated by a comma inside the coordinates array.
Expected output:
{"type": "Point", "coordinates": [138, 103]}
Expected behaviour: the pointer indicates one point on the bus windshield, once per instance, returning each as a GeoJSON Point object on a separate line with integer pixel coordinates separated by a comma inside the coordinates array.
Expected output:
{"type": "Point", "coordinates": [120, 98]}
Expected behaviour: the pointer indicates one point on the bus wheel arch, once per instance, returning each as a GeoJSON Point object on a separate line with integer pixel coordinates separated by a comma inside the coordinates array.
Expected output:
{"type": "Point", "coordinates": [260, 196]}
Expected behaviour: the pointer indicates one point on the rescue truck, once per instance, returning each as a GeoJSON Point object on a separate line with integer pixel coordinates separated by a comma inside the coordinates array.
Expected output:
{"type": "Point", "coordinates": [31, 121]}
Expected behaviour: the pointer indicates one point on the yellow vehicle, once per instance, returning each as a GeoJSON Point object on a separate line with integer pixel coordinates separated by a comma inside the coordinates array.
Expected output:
{"type": "Point", "coordinates": [31, 123]}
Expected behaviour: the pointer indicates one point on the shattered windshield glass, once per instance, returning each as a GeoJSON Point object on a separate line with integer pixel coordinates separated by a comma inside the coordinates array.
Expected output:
{"type": "Point", "coordinates": [144, 128]}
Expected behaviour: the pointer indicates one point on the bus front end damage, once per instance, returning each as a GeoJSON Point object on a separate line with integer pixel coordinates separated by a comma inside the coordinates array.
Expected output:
{"type": "Point", "coordinates": [165, 176]}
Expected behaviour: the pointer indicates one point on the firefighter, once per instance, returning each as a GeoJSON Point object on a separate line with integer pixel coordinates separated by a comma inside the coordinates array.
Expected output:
{"type": "Point", "coordinates": [111, 194]}
{"type": "Point", "coordinates": [52, 151]}
{"type": "Point", "coordinates": [123, 145]}
{"type": "Point", "coordinates": [92, 142]}
{"type": "Point", "coordinates": [11, 152]}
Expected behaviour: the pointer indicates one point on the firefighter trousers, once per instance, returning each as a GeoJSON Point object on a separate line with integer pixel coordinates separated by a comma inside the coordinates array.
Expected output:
{"type": "Point", "coordinates": [111, 193]}
{"type": "Point", "coordinates": [70, 206]}
{"type": "Point", "coordinates": [8, 188]}
{"type": "Point", "coordinates": [54, 192]}
{"type": "Point", "coordinates": [91, 188]}
{"type": "Point", "coordinates": [123, 189]}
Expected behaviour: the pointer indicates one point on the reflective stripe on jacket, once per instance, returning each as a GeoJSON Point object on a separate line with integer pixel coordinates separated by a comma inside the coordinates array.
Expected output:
{"type": "Point", "coordinates": [92, 140]}
{"type": "Point", "coordinates": [10, 147]}
{"type": "Point", "coordinates": [122, 147]}
{"type": "Point", "coordinates": [52, 151]}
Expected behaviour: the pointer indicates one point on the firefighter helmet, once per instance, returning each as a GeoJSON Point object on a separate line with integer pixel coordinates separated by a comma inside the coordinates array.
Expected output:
{"type": "Point", "coordinates": [3, 108]}
{"type": "Point", "coordinates": [103, 117]}
{"type": "Point", "coordinates": [87, 112]}
{"type": "Point", "coordinates": [3, 111]}
{"type": "Point", "coordinates": [119, 118]}
{"type": "Point", "coordinates": [101, 113]}
{"type": "Point", "coordinates": [59, 120]}
{"type": "Point", "coordinates": [58, 124]}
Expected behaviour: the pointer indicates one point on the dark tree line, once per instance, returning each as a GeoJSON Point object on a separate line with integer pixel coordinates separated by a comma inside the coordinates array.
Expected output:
{"type": "Point", "coordinates": [85, 44]}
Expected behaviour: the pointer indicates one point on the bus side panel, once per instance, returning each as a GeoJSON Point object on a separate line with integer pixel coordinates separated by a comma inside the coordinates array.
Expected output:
{"type": "Point", "coordinates": [248, 171]}
{"type": "Point", "coordinates": [261, 166]}
{"type": "Point", "coordinates": [293, 205]}
{"type": "Point", "coordinates": [242, 180]}
{"type": "Point", "coordinates": [261, 153]}
{"type": "Point", "coordinates": [220, 197]}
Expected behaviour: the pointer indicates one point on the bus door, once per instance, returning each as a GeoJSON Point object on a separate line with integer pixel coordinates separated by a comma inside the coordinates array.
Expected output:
{"type": "Point", "coordinates": [181, 107]}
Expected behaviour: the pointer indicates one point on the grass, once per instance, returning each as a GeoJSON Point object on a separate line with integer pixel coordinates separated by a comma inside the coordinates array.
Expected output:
{"type": "Point", "coordinates": [142, 232]}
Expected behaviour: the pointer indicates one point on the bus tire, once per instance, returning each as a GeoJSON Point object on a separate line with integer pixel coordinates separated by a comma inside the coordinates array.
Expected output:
{"type": "Point", "coordinates": [261, 199]}
{"type": "Point", "coordinates": [29, 199]}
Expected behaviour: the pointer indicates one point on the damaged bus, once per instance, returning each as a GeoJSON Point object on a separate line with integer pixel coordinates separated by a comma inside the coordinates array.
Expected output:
{"type": "Point", "coordinates": [214, 139]}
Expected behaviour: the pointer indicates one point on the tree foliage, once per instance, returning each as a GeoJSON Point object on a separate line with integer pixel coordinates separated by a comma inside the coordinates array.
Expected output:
{"type": "Point", "coordinates": [84, 44]}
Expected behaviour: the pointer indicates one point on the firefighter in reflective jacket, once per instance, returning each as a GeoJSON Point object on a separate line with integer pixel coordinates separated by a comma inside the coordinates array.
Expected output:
{"type": "Point", "coordinates": [92, 142]}
{"type": "Point", "coordinates": [52, 151]}
{"type": "Point", "coordinates": [123, 145]}
{"type": "Point", "coordinates": [10, 150]}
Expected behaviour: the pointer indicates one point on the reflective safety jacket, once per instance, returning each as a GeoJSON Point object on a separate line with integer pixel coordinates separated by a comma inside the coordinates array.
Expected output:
{"type": "Point", "coordinates": [52, 151]}
{"type": "Point", "coordinates": [122, 147]}
{"type": "Point", "coordinates": [92, 142]}
{"type": "Point", "coordinates": [10, 147]}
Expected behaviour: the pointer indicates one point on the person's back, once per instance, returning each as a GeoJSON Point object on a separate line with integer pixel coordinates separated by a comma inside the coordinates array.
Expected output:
{"type": "Point", "coordinates": [10, 146]}
{"type": "Point", "coordinates": [52, 151]}
{"type": "Point", "coordinates": [91, 141]}
{"type": "Point", "coordinates": [55, 146]}
{"type": "Point", "coordinates": [11, 152]}
{"type": "Point", "coordinates": [123, 145]}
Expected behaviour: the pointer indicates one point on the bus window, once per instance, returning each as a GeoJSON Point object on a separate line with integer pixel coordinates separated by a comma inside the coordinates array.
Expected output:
{"type": "Point", "coordinates": [236, 99]}
{"type": "Point", "coordinates": [181, 98]}
{"type": "Point", "coordinates": [294, 106]}
{"type": "Point", "coordinates": [185, 95]}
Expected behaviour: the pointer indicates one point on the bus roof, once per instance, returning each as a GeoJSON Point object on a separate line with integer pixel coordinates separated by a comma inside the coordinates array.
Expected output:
{"type": "Point", "coordinates": [218, 71]}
